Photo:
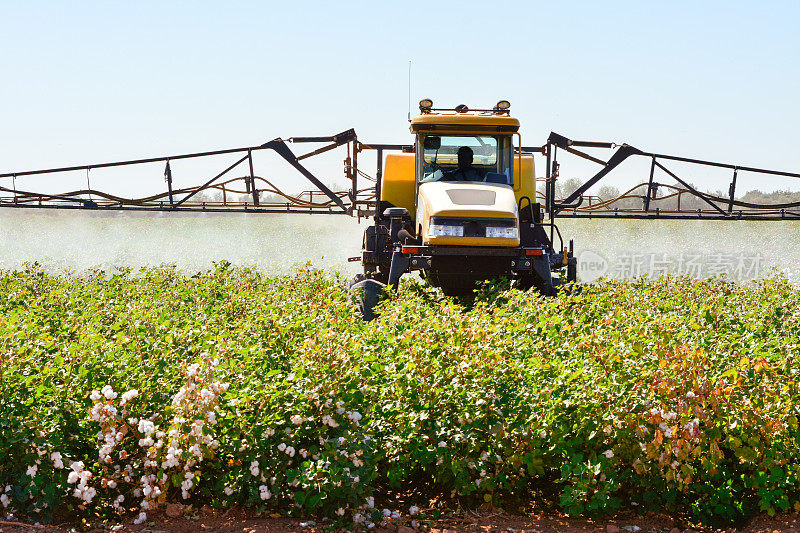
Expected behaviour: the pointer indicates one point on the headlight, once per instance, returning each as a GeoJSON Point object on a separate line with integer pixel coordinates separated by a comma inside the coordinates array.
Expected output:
{"type": "Point", "coordinates": [495, 232]}
{"type": "Point", "coordinates": [442, 230]}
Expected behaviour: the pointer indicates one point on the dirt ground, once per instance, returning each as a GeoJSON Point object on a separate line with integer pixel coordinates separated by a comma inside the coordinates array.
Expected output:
{"type": "Point", "coordinates": [238, 521]}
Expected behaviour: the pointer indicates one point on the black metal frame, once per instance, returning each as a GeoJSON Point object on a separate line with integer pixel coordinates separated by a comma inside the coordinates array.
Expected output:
{"type": "Point", "coordinates": [365, 202]}
{"type": "Point", "coordinates": [353, 202]}
{"type": "Point", "coordinates": [719, 208]}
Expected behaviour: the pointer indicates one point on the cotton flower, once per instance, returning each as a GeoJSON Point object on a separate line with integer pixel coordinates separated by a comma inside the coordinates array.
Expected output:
{"type": "Point", "coordinates": [609, 453]}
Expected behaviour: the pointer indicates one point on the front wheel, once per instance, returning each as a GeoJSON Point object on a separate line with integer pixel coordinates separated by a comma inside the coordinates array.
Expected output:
{"type": "Point", "coordinates": [367, 293]}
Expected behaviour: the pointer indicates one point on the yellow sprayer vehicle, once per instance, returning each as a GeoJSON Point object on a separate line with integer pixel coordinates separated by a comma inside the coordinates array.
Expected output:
{"type": "Point", "coordinates": [460, 205]}
{"type": "Point", "coordinates": [461, 208]}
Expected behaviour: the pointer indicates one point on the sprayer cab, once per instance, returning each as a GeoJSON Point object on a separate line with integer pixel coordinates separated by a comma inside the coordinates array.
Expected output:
{"type": "Point", "coordinates": [461, 207]}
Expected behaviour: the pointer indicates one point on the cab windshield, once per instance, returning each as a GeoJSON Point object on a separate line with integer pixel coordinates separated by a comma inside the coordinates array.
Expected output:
{"type": "Point", "coordinates": [484, 158]}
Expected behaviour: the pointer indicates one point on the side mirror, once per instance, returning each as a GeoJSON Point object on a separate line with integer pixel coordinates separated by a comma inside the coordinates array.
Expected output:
{"type": "Point", "coordinates": [432, 142]}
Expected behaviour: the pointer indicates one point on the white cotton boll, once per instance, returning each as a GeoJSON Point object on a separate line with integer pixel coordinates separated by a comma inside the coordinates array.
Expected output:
{"type": "Point", "coordinates": [296, 419]}
{"type": "Point", "coordinates": [212, 418]}
{"type": "Point", "coordinates": [108, 392]}
{"type": "Point", "coordinates": [128, 396]}
{"type": "Point", "coordinates": [413, 510]}
{"type": "Point", "coordinates": [387, 513]}
{"type": "Point", "coordinates": [340, 411]}
{"type": "Point", "coordinates": [254, 468]}
{"type": "Point", "coordinates": [281, 446]}
{"type": "Point", "coordinates": [72, 477]}
{"type": "Point", "coordinates": [192, 370]}
{"type": "Point", "coordinates": [290, 451]}
{"type": "Point", "coordinates": [370, 502]}
{"type": "Point", "coordinates": [89, 494]}
{"type": "Point", "coordinates": [690, 394]}
{"type": "Point", "coordinates": [415, 524]}
{"type": "Point", "coordinates": [340, 511]}
{"type": "Point", "coordinates": [228, 491]}
{"type": "Point", "coordinates": [112, 484]}
{"type": "Point", "coordinates": [5, 500]}
{"type": "Point", "coordinates": [32, 470]}
{"type": "Point", "coordinates": [355, 416]}
{"type": "Point", "coordinates": [141, 518]}
{"type": "Point", "coordinates": [264, 492]}
{"type": "Point", "coordinates": [146, 426]}
{"type": "Point", "coordinates": [609, 453]}
{"type": "Point", "coordinates": [442, 444]}
{"type": "Point", "coordinates": [57, 461]}
{"type": "Point", "coordinates": [196, 451]}
{"type": "Point", "coordinates": [95, 395]}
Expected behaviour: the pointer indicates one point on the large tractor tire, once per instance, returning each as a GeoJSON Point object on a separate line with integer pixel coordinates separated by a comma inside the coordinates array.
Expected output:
{"type": "Point", "coordinates": [532, 281]}
{"type": "Point", "coordinates": [367, 293]}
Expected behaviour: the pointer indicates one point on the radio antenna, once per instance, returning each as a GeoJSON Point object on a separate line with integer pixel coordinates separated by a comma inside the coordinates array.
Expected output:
{"type": "Point", "coordinates": [409, 90]}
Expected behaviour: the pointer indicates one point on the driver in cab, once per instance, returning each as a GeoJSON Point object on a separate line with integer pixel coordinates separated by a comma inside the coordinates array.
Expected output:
{"type": "Point", "coordinates": [465, 171]}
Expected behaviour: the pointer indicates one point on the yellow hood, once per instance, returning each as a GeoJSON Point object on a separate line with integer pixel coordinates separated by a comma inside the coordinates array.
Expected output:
{"type": "Point", "coordinates": [469, 200]}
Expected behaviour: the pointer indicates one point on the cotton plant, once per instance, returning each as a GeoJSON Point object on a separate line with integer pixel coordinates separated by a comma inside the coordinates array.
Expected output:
{"type": "Point", "coordinates": [151, 459]}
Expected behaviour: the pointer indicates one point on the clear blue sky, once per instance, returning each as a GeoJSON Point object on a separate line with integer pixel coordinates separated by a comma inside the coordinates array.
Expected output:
{"type": "Point", "coordinates": [93, 81]}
